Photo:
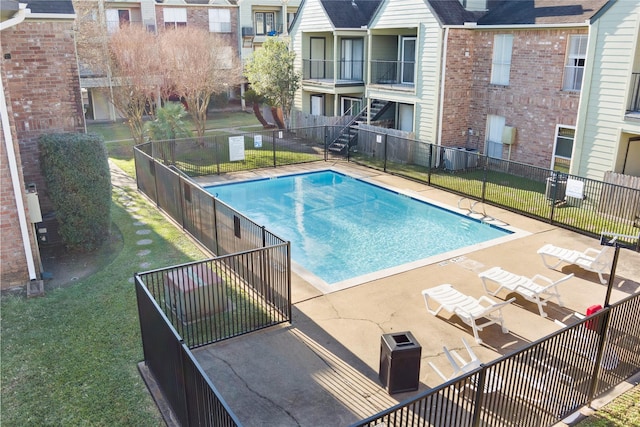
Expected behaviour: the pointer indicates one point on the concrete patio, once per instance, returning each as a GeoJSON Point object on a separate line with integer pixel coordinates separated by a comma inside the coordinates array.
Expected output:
{"type": "Point", "coordinates": [322, 370]}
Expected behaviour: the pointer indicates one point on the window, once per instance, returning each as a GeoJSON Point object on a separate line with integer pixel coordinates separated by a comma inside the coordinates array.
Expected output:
{"type": "Point", "coordinates": [175, 17]}
{"type": "Point", "coordinates": [219, 20]}
{"type": "Point", "coordinates": [352, 59]}
{"type": "Point", "coordinates": [116, 18]}
{"type": "Point", "coordinates": [350, 106]}
{"type": "Point", "coordinates": [574, 67]}
{"type": "Point", "coordinates": [495, 127]}
{"type": "Point", "coordinates": [265, 23]}
{"type": "Point", "coordinates": [563, 149]}
{"type": "Point", "coordinates": [501, 62]}
{"type": "Point", "coordinates": [408, 60]}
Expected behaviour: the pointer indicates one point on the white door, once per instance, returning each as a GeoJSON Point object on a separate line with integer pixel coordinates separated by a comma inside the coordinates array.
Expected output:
{"type": "Point", "coordinates": [350, 106]}
{"type": "Point", "coordinates": [317, 105]}
{"type": "Point", "coordinates": [408, 60]}
{"type": "Point", "coordinates": [495, 126]}
{"type": "Point", "coordinates": [351, 63]}
{"type": "Point", "coordinates": [405, 117]}
{"type": "Point", "coordinates": [317, 58]}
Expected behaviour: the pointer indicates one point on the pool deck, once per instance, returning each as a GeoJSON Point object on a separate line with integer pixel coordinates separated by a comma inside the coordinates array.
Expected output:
{"type": "Point", "coordinates": [322, 369]}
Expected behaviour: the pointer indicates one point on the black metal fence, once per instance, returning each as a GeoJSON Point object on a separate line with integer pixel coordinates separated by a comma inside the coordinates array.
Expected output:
{"type": "Point", "coordinates": [538, 385]}
{"type": "Point", "coordinates": [580, 204]}
{"type": "Point", "coordinates": [192, 397]}
{"type": "Point", "coordinates": [250, 288]}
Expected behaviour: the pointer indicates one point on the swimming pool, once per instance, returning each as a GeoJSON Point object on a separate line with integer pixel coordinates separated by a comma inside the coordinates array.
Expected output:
{"type": "Point", "coordinates": [343, 228]}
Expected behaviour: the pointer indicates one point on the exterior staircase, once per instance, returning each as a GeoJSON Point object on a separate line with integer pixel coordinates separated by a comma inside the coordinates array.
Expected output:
{"type": "Point", "coordinates": [349, 133]}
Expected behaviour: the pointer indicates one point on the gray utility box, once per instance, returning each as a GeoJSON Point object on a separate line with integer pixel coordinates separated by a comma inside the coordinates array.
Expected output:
{"type": "Point", "coordinates": [556, 189]}
{"type": "Point", "coordinates": [400, 362]}
{"type": "Point", "coordinates": [457, 158]}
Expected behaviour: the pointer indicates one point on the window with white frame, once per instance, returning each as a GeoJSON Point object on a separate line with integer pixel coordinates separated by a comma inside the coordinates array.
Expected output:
{"type": "Point", "coordinates": [175, 17]}
{"type": "Point", "coordinates": [116, 18]}
{"type": "Point", "coordinates": [574, 66]}
{"type": "Point", "coordinates": [495, 127]}
{"type": "Point", "coordinates": [563, 149]}
{"type": "Point", "coordinates": [264, 23]}
{"type": "Point", "coordinates": [501, 61]}
{"type": "Point", "coordinates": [219, 20]}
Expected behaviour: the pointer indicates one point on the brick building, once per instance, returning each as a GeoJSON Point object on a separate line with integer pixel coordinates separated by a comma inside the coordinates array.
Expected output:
{"type": "Point", "coordinates": [40, 94]}
{"type": "Point", "coordinates": [533, 100]}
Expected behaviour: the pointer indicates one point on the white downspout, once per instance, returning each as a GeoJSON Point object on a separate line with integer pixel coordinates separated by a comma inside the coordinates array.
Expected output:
{"type": "Point", "coordinates": [442, 80]}
{"type": "Point", "coordinates": [11, 156]}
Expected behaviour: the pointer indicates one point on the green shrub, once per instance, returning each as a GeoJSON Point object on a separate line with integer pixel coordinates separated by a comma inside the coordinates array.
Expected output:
{"type": "Point", "coordinates": [76, 171]}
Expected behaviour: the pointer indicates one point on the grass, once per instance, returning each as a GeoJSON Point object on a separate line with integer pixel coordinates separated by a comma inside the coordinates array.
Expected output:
{"type": "Point", "coordinates": [621, 412]}
{"type": "Point", "coordinates": [119, 131]}
{"type": "Point", "coordinates": [69, 357]}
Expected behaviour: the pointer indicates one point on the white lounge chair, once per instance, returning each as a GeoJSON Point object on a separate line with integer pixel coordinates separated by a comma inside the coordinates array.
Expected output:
{"type": "Point", "coordinates": [461, 366]}
{"type": "Point", "coordinates": [468, 309]}
{"type": "Point", "coordinates": [538, 289]}
{"type": "Point", "coordinates": [590, 259]}
{"type": "Point", "coordinates": [585, 342]}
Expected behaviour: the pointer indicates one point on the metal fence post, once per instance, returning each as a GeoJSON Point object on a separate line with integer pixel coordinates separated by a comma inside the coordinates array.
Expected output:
{"type": "Point", "coordinates": [326, 154]}
{"type": "Point", "coordinates": [603, 322]}
{"type": "Point", "coordinates": [216, 149]}
{"type": "Point", "coordinates": [554, 180]}
{"type": "Point", "coordinates": [385, 152]}
{"type": "Point", "coordinates": [484, 180]}
{"type": "Point", "coordinates": [477, 404]}
{"type": "Point", "coordinates": [274, 149]}
{"type": "Point", "coordinates": [430, 163]}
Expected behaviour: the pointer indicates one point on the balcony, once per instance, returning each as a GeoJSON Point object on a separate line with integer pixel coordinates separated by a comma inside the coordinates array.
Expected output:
{"type": "Point", "coordinates": [349, 72]}
{"type": "Point", "coordinates": [393, 74]}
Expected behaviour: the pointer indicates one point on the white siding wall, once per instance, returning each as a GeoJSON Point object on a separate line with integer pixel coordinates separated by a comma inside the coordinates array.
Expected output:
{"type": "Point", "coordinates": [311, 18]}
{"type": "Point", "coordinates": [604, 97]}
{"type": "Point", "coordinates": [401, 14]}
{"type": "Point", "coordinates": [414, 13]}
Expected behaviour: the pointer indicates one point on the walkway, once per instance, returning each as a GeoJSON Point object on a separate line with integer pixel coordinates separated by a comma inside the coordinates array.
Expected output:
{"type": "Point", "coordinates": [323, 369]}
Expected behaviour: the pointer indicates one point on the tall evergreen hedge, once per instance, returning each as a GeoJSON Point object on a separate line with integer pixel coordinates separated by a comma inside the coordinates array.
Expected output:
{"type": "Point", "coordinates": [76, 170]}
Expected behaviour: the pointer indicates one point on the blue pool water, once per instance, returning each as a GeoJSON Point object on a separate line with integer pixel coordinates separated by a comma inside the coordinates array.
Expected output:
{"type": "Point", "coordinates": [341, 227]}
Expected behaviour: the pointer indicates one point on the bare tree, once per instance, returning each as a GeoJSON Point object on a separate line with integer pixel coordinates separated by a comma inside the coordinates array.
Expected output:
{"type": "Point", "coordinates": [135, 65]}
{"type": "Point", "coordinates": [198, 64]}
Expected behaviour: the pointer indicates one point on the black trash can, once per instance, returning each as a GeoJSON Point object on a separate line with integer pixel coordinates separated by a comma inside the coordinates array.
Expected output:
{"type": "Point", "coordinates": [399, 362]}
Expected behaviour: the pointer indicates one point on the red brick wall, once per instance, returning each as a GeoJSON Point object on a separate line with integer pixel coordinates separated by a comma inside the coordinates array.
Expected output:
{"type": "Point", "coordinates": [533, 102]}
{"type": "Point", "coordinates": [42, 79]}
{"type": "Point", "coordinates": [199, 17]}
{"type": "Point", "coordinates": [12, 258]}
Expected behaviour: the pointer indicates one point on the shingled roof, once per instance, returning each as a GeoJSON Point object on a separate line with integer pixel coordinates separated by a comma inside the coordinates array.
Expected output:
{"type": "Point", "coordinates": [520, 12]}
{"type": "Point", "coordinates": [350, 13]}
{"type": "Point", "coordinates": [451, 12]}
{"type": "Point", "coordinates": [50, 6]}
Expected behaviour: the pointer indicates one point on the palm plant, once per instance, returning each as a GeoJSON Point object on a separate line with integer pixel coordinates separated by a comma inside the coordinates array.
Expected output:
{"type": "Point", "coordinates": [168, 125]}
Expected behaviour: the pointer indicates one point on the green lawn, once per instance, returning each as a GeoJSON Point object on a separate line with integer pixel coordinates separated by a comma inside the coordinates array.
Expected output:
{"type": "Point", "coordinates": [119, 131]}
{"type": "Point", "coordinates": [69, 357]}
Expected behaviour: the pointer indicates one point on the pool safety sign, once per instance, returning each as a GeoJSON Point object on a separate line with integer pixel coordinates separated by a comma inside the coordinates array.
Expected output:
{"type": "Point", "coordinates": [257, 141]}
{"type": "Point", "coordinates": [236, 148]}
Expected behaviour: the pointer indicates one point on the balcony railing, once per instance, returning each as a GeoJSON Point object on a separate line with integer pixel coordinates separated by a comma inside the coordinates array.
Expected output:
{"type": "Point", "coordinates": [634, 102]}
{"type": "Point", "coordinates": [317, 69]}
{"type": "Point", "coordinates": [323, 70]}
{"type": "Point", "coordinates": [393, 72]}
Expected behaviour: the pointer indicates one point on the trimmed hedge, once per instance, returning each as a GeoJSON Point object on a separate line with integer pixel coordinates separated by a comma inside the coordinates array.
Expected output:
{"type": "Point", "coordinates": [76, 171]}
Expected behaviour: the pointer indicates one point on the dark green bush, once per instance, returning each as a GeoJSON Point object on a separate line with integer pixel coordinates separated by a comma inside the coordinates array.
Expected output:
{"type": "Point", "coordinates": [76, 170]}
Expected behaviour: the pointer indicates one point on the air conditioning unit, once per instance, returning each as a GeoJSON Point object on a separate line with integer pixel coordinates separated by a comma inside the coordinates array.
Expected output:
{"type": "Point", "coordinates": [194, 292]}
{"type": "Point", "coordinates": [508, 135]}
